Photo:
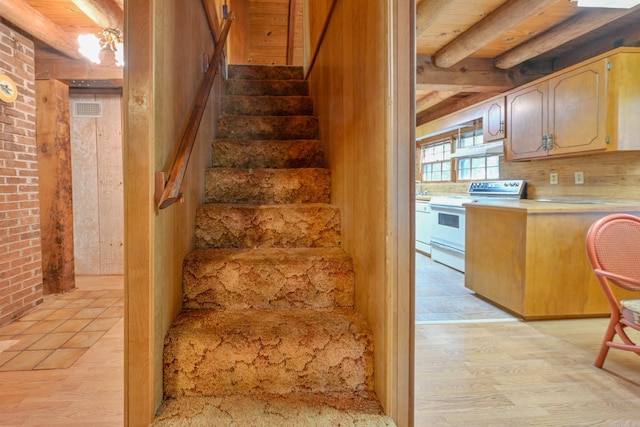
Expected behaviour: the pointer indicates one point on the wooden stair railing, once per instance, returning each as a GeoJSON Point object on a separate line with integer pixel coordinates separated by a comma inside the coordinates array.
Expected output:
{"type": "Point", "coordinates": [169, 184]}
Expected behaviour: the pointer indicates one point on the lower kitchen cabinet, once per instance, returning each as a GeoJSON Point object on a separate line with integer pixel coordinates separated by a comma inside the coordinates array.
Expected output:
{"type": "Point", "coordinates": [533, 262]}
{"type": "Point", "coordinates": [423, 227]}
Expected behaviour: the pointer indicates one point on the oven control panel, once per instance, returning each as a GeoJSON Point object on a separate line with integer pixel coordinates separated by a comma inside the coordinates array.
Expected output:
{"type": "Point", "coordinates": [515, 188]}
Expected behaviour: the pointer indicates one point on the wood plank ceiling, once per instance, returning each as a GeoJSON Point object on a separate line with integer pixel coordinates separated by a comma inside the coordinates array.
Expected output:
{"type": "Point", "coordinates": [468, 50]}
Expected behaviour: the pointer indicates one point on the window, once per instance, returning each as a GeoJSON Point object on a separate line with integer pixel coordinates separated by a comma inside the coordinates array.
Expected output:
{"type": "Point", "coordinates": [479, 168]}
{"type": "Point", "coordinates": [458, 156]}
{"type": "Point", "coordinates": [470, 135]}
{"type": "Point", "coordinates": [435, 161]}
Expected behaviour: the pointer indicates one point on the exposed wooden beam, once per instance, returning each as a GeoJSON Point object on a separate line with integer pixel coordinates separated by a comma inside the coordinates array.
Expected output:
{"type": "Point", "coordinates": [428, 116]}
{"type": "Point", "coordinates": [628, 36]}
{"type": "Point", "coordinates": [105, 13]}
{"type": "Point", "coordinates": [508, 16]}
{"type": "Point", "coordinates": [428, 12]}
{"type": "Point", "coordinates": [562, 33]}
{"type": "Point", "coordinates": [471, 75]}
{"type": "Point", "coordinates": [431, 99]}
{"type": "Point", "coordinates": [51, 65]}
{"type": "Point", "coordinates": [35, 23]}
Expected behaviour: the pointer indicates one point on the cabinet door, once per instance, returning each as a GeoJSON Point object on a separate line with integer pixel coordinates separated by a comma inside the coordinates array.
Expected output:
{"type": "Point", "coordinates": [527, 122]}
{"type": "Point", "coordinates": [493, 121]}
{"type": "Point", "coordinates": [577, 109]}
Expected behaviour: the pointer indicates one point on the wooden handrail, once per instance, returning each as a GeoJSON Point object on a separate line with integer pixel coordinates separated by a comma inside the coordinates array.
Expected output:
{"type": "Point", "coordinates": [168, 184]}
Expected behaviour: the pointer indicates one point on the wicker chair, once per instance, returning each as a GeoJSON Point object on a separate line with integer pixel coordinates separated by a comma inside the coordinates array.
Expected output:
{"type": "Point", "coordinates": [613, 247]}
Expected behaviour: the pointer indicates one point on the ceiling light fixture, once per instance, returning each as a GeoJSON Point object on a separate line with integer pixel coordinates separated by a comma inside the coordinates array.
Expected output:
{"type": "Point", "coordinates": [92, 45]}
{"type": "Point", "coordinates": [614, 4]}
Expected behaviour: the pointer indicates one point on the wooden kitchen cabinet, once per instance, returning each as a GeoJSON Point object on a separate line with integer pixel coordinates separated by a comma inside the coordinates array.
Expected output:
{"type": "Point", "coordinates": [533, 262]}
{"type": "Point", "coordinates": [493, 120]}
{"type": "Point", "coordinates": [561, 115]}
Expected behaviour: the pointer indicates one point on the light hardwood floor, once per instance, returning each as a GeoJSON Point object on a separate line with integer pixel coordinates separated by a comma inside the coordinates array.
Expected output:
{"type": "Point", "coordinates": [513, 373]}
{"type": "Point", "coordinates": [473, 374]}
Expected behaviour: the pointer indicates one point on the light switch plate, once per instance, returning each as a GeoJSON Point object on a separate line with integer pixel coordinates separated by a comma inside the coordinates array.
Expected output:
{"type": "Point", "coordinates": [579, 177]}
{"type": "Point", "coordinates": [553, 178]}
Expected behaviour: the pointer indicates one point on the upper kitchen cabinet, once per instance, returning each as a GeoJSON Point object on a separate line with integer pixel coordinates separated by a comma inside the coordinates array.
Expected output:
{"type": "Point", "coordinates": [560, 115]}
{"type": "Point", "coordinates": [493, 123]}
{"type": "Point", "coordinates": [584, 109]}
{"type": "Point", "coordinates": [487, 119]}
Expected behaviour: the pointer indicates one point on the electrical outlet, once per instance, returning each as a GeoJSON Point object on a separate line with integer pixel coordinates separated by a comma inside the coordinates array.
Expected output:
{"type": "Point", "coordinates": [553, 178]}
{"type": "Point", "coordinates": [579, 177]}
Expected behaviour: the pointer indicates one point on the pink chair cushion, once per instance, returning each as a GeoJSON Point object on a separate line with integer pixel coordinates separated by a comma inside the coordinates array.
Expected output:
{"type": "Point", "coordinates": [631, 310]}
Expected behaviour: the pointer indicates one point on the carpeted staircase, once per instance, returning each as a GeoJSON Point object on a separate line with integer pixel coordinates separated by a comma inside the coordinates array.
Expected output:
{"type": "Point", "coordinates": [268, 335]}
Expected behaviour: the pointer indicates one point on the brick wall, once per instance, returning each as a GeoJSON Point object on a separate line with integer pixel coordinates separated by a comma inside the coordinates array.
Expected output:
{"type": "Point", "coordinates": [20, 254]}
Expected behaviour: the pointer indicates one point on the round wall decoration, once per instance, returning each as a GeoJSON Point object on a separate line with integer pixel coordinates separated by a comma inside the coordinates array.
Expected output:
{"type": "Point", "coordinates": [8, 89]}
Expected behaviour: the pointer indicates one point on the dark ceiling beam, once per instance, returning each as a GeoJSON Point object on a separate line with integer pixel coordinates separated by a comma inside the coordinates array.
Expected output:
{"type": "Point", "coordinates": [105, 13]}
{"type": "Point", "coordinates": [562, 33]}
{"type": "Point", "coordinates": [35, 23]}
{"type": "Point", "coordinates": [428, 12]}
{"type": "Point", "coordinates": [506, 17]}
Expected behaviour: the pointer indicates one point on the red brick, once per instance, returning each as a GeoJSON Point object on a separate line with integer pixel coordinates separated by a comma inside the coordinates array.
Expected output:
{"type": "Point", "coordinates": [18, 279]}
{"type": "Point", "coordinates": [21, 266]}
{"type": "Point", "coordinates": [10, 289]}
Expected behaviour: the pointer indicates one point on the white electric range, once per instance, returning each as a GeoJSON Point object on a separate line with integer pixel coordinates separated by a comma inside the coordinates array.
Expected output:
{"type": "Point", "coordinates": [448, 212]}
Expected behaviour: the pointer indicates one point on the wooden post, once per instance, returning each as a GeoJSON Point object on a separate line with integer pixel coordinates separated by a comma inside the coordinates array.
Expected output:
{"type": "Point", "coordinates": [53, 140]}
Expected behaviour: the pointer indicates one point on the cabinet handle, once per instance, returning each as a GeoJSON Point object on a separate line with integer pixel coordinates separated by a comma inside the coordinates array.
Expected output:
{"type": "Point", "coordinates": [550, 142]}
{"type": "Point", "coordinates": [544, 142]}
{"type": "Point", "coordinates": [501, 126]}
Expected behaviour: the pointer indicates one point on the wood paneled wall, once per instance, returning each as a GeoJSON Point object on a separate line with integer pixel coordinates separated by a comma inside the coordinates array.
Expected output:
{"type": "Point", "coordinates": [98, 213]}
{"type": "Point", "coordinates": [362, 98]}
{"type": "Point", "coordinates": [261, 32]}
{"type": "Point", "coordinates": [165, 45]}
{"type": "Point", "coordinates": [607, 176]}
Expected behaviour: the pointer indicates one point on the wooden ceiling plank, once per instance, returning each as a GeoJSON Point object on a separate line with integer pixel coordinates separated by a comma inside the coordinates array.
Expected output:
{"type": "Point", "coordinates": [506, 17]}
{"type": "Point", "coordinates": [105, 13]}
{"type": "Point", "coordinates": [427, 12]}
{"type": "Point", "coordinates": [35, 23]}
{"type": "Point", "coordinates": [568, 30]}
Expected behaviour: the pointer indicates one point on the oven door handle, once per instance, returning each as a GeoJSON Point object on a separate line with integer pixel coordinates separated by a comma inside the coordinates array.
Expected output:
{"type": "Point", "coordinates": [446, 247]}
{"type": "Point", "coordinates": [447, 207]}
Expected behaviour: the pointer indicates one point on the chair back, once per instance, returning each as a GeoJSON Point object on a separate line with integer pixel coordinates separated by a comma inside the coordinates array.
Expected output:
{"type": "Point", "coordinates": [613, 246]}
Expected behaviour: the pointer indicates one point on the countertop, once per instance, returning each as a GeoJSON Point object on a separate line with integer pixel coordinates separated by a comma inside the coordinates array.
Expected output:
{"type": "Point", "coordinates": [564, 206]}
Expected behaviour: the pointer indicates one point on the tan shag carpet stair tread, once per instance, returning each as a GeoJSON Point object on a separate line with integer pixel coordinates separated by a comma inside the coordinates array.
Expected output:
{"type": "Point", "coordinates": [300, 410]}
{"type": "Point", "coordinates": [210, 352]}
{"type": "Point", "coordinates": [268, 186]}
{"type": "Point", "coordinates": [242, 279]}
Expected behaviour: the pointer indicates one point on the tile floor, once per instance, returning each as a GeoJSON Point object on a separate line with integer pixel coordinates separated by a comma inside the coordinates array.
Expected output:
{"type": "Point", "coordinates": [441, 297]}
{"type": "Point", "coordinates": [60, 330]}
